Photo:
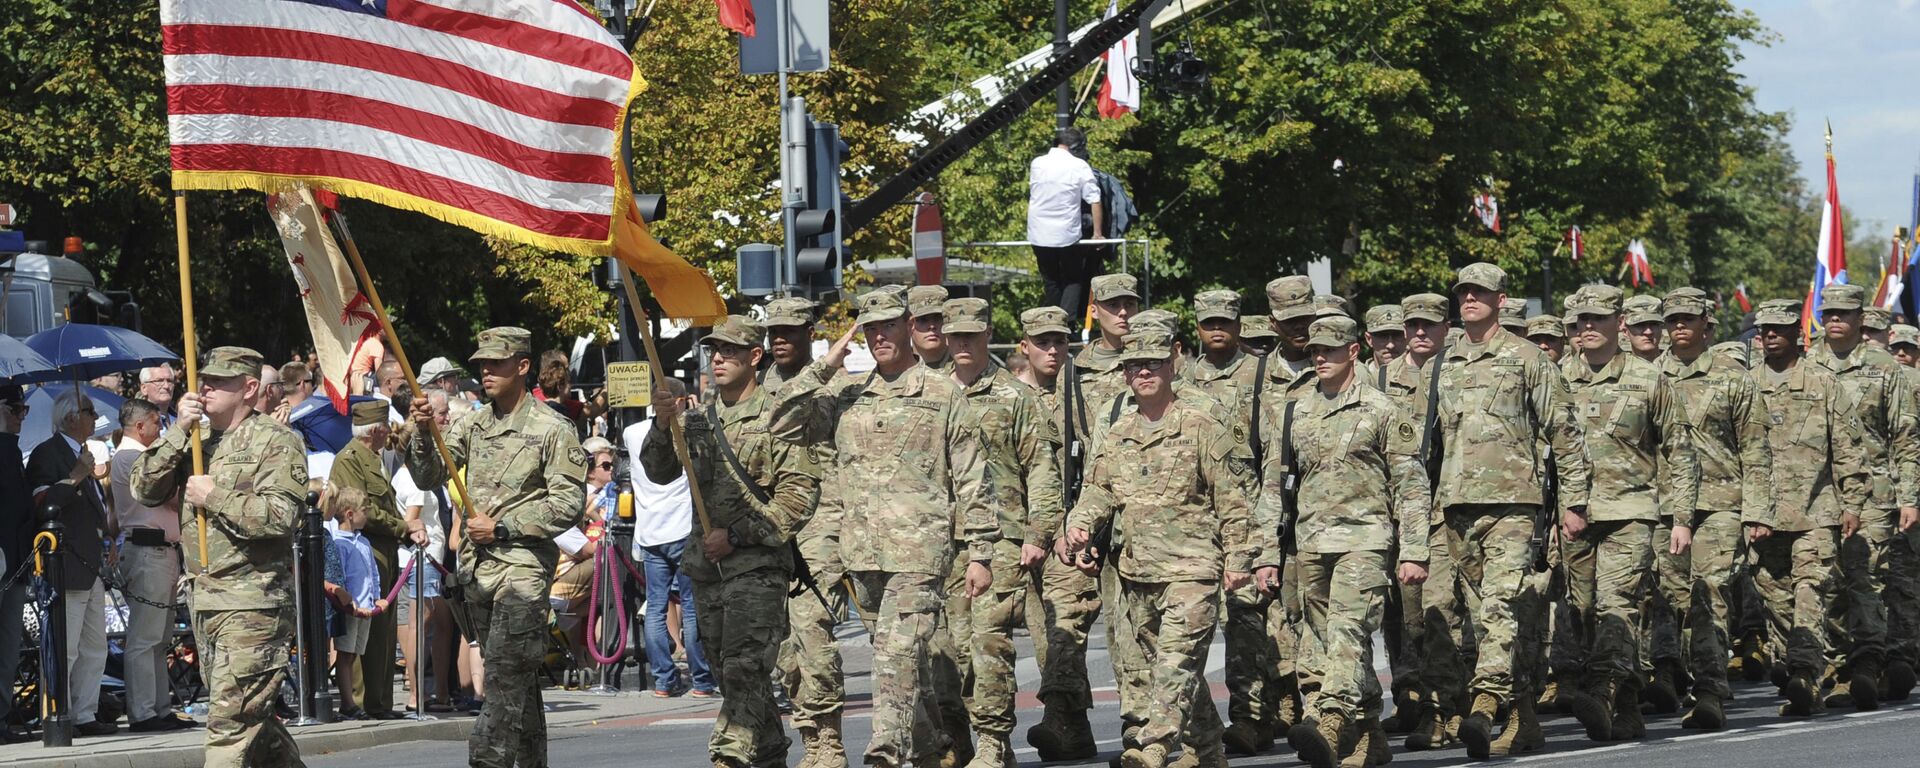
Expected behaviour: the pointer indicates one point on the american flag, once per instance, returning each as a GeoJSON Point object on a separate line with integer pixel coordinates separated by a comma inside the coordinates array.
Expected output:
{"type": "Point", "coordinates": [502, 116]}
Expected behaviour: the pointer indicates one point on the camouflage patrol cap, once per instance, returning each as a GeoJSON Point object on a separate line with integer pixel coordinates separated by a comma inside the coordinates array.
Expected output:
{"type": "Point", "coordinates": [1114, 286]}
{"type": "Point", "coordinates": [1257, 327]}
{"type": "Point", "coordinates": [1044, 320]}
{"type": "Point", "coordinates": [1290, 297]}
{"type": "Point", "coordinates": [968, 315]}
{"type": "Point", "coordinates": [1513, 313]}
{"type": "Point", "coordinates": [228, 362]}
{"type": "Point", "coordinates": [1842, 297]}
{"type": "Point", "coordinates": [1732, 350]}
{"type": "Point", "coordinates": [369, 412]}
{"type": "Point", "coordinates": [1217, 305]}
{"type": "Point", "coordinates": [1777, 312]}
{"type": "Point", "coordinates": [1146, 345]}
{"type": "Point", "coordinates": [738, 330]}
{"type": "Point", "coordinates": [1901, 333]}
{"type": "Point", "coordinates": [1386, 318]}
{"type": "Point", "coordinates": [789, 312]}
{"type": "Point", "coordinates": [1154, 321]}
{"type": "Point", "coordinates": [1594, 301]}
{"type": "Point", "coordinates": [1686, 301]}
{"type": "Point", "coordinates": [924, 300]}
{"type": "Point", "coordinates": [1641, 309]}
{"type": "Point", "coordinates": [1333, 331]}
{"type": "Point", "coordinates": [502, 343]}
{"type": "Point", "coordinates": [1876, 318]}
{"type": "Point", "coordinates": [1546, 325]}
{"type": "Point", "coordinates": [880, 306]}
{"type": "Point", "coordinates": [1486, 275]}
{"type": "Point", "coordinates": [1431, 307]}
{"type": "Point", "coordinates": [1326, 305]}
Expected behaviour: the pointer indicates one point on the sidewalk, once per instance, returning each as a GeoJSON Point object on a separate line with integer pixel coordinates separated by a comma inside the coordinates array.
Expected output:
{"type": "Point", "coordinates": [182, 749]}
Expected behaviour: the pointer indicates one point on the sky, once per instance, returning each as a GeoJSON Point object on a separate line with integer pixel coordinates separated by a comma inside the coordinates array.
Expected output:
{"type": "Point", "coordinates": [1857, 63]}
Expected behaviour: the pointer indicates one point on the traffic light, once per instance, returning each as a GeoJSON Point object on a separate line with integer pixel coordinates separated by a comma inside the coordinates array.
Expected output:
{"type": "Point", "coordinates": [819, 253]}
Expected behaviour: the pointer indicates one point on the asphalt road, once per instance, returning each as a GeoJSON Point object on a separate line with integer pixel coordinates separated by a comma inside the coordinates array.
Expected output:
{"type": "Point", "coordinates": [1754, 738]}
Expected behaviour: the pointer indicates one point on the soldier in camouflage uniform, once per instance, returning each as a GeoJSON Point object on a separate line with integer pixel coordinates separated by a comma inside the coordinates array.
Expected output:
{"type": "Point", "coordinates": [1355, 464]}
{"type": "Point", "coordinates": [1736, 491]}
{"type": "Point", "coordinates": [1500, 399]}
{"type": "Point", "coordinates": [1644, 327]}
{"type": "Point", "coordinates": [242, 592]}
{"type": "Point", "coordinates": [1385, 334]}
{"type": "Point", "coordinates": [1662, 660]}
{"type": "Point", "coordinates": [1878, 567]}
{"type": "Point", "coordinates": [1018, 445]}
{"type": "Point", "coordinates": [809, 661]}
{"type": "Point", "coordinates": [525, 480]}
{"type": "Point", "coordinates": [908, 481]}
{"type": "Point", "coordinates": [924, 304]}
{"type": "Point", "coordinates": [1064, 599]}
{"type": "Point", "coordinates": [1233, 378]}
{"type": "Point", "coordinates": [1635, 425]}
{"type": "Point", "coordinates": [1548, 333]}
{"type": "Point", "coordinates": [1904, 342]}
{"type": "Point", "coordinates": [759, 485]}
{"type": "Point", "coordinates": [358, 466]}
{"type": "Point", "coordinates": [1513, 315]}
{"type": "Point", "coordinates": [1257, 336]}
{"type": "Point", "coordinates": [1876, 324]}
{"type": "Point", "coordinates": [1177, 483]}
{"type": "Point", "coordinates": [1290, 305]}
{"type": "Point", "coordinates": [1820, 479]}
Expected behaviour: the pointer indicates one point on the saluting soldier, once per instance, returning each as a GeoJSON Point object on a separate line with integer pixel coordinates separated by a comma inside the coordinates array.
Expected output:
{"type": "Point", "coordinates": [1352, 453]}
{"type": "Point", "coordinates": [250, 499]}
{"type": "Point", "coordinates": [1177, 483]}
{"type": "Point", "coordinates": [906, 490]}
{"type": "Point", "coordinates": [525, 477]}
{"type": "Point", "coordinates": [759, 484]}
{"type": "Point", "coordinates": [1820, 482]}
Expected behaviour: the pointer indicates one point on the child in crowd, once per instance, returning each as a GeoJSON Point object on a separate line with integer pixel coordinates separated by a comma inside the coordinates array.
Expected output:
{"type": "Point", "coordinates": [362, 588]}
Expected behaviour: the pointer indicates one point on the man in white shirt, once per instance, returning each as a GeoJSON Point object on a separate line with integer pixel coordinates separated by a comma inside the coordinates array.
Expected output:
{"type": "Point", "coordinates": [1058, 183]}
{"type": "Point", "coordinates": [150, 567]}
{"type": "Point", "coordinates": [662, 519]}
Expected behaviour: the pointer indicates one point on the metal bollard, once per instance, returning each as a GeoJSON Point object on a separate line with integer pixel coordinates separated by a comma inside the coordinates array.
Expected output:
{"type": "Point", "coordinates": [418, 666]}
{"type": "Point", "coordinates": [56, 723]}
{"type": "Point", "coordinates": [303, 680]}
{"type": "Point", "coordinates": [317, 698]}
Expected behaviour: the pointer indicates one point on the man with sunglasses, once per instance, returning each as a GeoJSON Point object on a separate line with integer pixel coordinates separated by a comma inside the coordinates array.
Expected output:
{"type": "Point", "coordinates": [1178, 483]}
{"type": "Point", "coordinates": [251, 496]}
{"type": "Point", "coordinates": [760, 485]}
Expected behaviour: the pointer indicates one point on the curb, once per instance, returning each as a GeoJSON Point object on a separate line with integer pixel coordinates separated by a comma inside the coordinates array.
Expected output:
{"type": "Point", "coordinates": [357, 736]}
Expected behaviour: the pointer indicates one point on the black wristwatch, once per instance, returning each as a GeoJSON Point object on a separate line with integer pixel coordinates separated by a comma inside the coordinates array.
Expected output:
{"type": "Point", "coordinates": [733, 539]}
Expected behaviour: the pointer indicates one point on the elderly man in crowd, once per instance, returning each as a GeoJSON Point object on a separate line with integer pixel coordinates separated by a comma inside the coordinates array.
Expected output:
{"type": "Point", "coordinates": [60, 471]}
{"type": "Point", "coordinates": [156, 386]}
{"type": "Point", "coordinates": [149, 569]}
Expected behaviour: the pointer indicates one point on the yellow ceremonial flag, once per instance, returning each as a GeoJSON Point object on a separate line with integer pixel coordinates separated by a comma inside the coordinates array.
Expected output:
{"type": "Point", "coordinates": [683, 290]}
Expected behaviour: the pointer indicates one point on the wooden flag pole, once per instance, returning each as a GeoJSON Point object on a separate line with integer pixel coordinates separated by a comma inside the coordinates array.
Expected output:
{"type": "Point", "coordinates": [660, 382]}
{"type": "Point", "coordinates": [406, 368]}
{"type": "Point", "coordinates": [192, 353]}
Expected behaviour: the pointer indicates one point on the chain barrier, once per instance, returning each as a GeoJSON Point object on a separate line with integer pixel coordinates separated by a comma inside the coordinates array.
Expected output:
{"type": "Point", "coordinates": [114, 583]}
{"type": "Point", "coordinates": [21, 570]}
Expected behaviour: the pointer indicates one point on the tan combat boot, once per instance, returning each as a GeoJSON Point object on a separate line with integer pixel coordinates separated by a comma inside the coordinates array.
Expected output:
{"type": "Point", "coordinates": [1246, 737]}
{"type": "Point", "coordinates": [1898, 681]}
{"type": "Point", "coordinates": [1430, 730]}
{"type": "Point", "coordinates": [1754, 665]}
{"type": "Point", "coordinates": [1378, 750]}
{"type": "Point", "coordinates": [1406, 713]}
{"type": "Point", "coordinates": [1200, 756]}
{"type": "Point", "coordinates": [1476, 729]}
{"type": "Point", "coordinates": [1627, 722]}
{"type": "Point", "coordinates": [1662, 692]}
{"type": "Point", "coordinates": [1322, 741]}
{"type": "Point", "coordinates": [1150, 756]}
{"type": "Point", "coordinates": [993, 751]}
{"type": "Point", "coordinates": [1866, 686]}
{"type": "Point", "coordinates": [1522, 733]}
{"type": "Point", "coordinates": [1363, 752]}
{"type": "Point", "coordinates": [1708, 714]}
{"type": "Point", "coordinates": [822, 741]}
{"type": "Point", "coordinates": [1062, 734]}
{"type": "Point", "coordinates": [1549, 700]}
{"type": "Point", "coordinates": [1593, 708]}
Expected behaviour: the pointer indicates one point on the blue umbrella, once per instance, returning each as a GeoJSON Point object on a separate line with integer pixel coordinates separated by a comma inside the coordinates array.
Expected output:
{"type": "Point", "coordinates": [37, 427]}
{"type": "Point", "coordinates": [324, 428]}
{"type": "Point", "coordinates": [19, 364]}
{"type": "Point", "coordinates": [83, 351]}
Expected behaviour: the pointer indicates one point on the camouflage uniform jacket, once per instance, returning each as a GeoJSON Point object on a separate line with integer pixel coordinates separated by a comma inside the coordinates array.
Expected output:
{"type": "Point", "coordinates": [1232, 384]}
{"type": "Point", "coordinates": [767, 445]}
{"type": "Point", "coordinates": [1819, 460]}
{"type": "Point", "coordinates": [1498, 400]}
{"type": "Point", "coordinates": [1019, 444]}
{"type": "Point", "coordinates": [259, 472]}
{"type": "Point", "coordinates": [1101, 380]}
{"type": "Point", "coordinates": [1635, 424]}
{"type": "Point", "coordinates": [1180, 492]}
{"type": "Point", "coordinates": [1884, 405]}
{"type": "Point", "coordinates": [907, 465]}
{"type": "Point", "coordinates": [1729, 433]}
{"type": "Point", "coordinates": [524, 469]}
{"type": "Point", "coordinates": [357, 466]}
{"type": "Point", "coordinates": [1359, 475]}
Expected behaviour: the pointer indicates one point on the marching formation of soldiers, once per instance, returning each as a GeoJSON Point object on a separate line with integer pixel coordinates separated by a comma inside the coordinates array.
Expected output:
{"type": "Point", "coordinates": [1604, 516]}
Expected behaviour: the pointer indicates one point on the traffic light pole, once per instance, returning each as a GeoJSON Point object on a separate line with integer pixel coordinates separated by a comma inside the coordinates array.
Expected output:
{"type": "Point", "coordinates": [781, 275]}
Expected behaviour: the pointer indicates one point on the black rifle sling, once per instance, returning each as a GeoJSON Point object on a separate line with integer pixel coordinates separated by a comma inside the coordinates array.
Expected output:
{"type": "Point", "coordinates": [733, 459]}
{"type": "Point", "coordinates": [1253, 426]}
{"type": "Point", "coordinates": [1433, 406]}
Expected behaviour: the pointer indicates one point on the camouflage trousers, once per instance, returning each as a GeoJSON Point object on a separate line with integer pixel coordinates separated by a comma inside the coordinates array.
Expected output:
{"type": "Point", "coordinates": [243, 656]}
{"type": "Point", "coordinates": [1669, 594]}
{"type": "Point", "coordinates": [809, 660]}
{"type": "Point", "coordinates": [1489, 543]}
{"type": "Point", "coordinates": [507, 607]}
{"type": "Point", "coordinates": [1062, 604]}
{"type": "Point", "coordinates": [906, 608]}
{"type": "Point", "coordinates": [1287, 674]}
{"type": "Point", "coordinates": [1344, 595]}
{"type": "Point", "coordinates": [743, 620]}
{"type": "Point", "coordinates": [981, 632]}
{"type": "Point", "coordinates": [1859, 614]}
{"type": "Point", "coordinates": [1251, 664]}
{"type": "Point", "coordinates": [1795, 575]}
{"type": "Point", "coordinates": [1446, 647]}
{"type": "Point", "coordinates": [1131, 670]}
{"type": "Point", "coordinates": [1607, 581]}
{"type": "Point", "coordinates": [1174, 622]}
{"type": "Point", "coordinates": [1717, 545]}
